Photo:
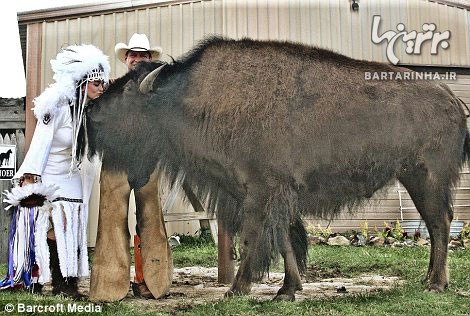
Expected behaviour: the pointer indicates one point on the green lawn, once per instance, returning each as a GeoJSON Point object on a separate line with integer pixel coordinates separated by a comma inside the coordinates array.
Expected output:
{"type": "Point", "coordinates": [409, 264]}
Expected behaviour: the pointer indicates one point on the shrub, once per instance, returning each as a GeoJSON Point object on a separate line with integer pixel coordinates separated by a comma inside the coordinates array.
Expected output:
{"type": "Point", "coordinates": [465, 232]}
{"type": "Point", "coordinates": [319, 231]}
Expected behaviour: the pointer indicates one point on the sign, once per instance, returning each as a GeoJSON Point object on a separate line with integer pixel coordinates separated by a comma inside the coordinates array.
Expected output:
{"type": "Point", "coordinates": [7, 162]}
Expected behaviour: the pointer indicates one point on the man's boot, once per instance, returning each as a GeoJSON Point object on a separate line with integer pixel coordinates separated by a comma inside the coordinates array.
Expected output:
{"type": "Point", "coordinates": [157, 260]}
{"type": "Point", "coordinates": [139, 287]}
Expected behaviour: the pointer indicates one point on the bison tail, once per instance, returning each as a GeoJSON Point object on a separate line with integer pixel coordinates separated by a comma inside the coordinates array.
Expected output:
{"type": "Point", "coordinates": [283, 230]}
{"type": "Point", "coordinates": [299, 241]}
{"type": "Point", "coordinates": [466, 144]}
{"type": "Point", "coordinates": [277, 236]}
{"type": "Point", "coordinates": [466, 147]}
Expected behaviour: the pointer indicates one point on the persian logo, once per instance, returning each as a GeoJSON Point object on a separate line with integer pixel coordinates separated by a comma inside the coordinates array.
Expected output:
{"type": "Point", "coordinates": [413, 40]}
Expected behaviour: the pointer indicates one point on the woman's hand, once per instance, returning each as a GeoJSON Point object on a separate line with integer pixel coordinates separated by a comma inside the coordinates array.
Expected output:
{"type": "Point", "coordinates": [28, 178]}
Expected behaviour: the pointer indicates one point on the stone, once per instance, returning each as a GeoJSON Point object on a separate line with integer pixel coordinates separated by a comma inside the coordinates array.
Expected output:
{"type": "Point", "coordinates": [409, 243]}
{"type": "Point", "coordinates": [338, 241]}
{"type": "Point", "coordinates": [377, 241]}
{"type": "Point", "coordinates": [466, 243]}
{"type": "Point", "coordinates": [358, 241]}
{"type": "Point", "coordinates": [422, 242]}
{"type": "Point", "coordinates": [341, 289]}
{"type": "Point", "coordinates": [391, 240]}
{"type": "Point", "coordinates": [316, 240]}
{"type": "Point", "coordinates": [454, 244]}
{"type": "Point", "coordinates": [398, 244]}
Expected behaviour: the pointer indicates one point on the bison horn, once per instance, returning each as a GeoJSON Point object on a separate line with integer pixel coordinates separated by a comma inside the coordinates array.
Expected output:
{"type": "Point", "coordinates": [146, 85]}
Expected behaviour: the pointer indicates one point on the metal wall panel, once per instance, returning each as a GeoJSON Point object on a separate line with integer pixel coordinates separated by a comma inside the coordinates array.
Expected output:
{"type": "Point", "coordinates": [326, 23]}
{"type": "Point", "coordinates": [461, 87]}
{"type": "Point", "coordinates": [332, 24]}
{"type": "Point", "coordinates": [175, 27]}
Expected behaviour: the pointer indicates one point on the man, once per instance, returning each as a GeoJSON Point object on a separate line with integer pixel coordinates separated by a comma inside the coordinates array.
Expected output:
{"type": "Point", "coordinates": [137, 50]}
{"type": "Point", "coordinates": [153, 261]}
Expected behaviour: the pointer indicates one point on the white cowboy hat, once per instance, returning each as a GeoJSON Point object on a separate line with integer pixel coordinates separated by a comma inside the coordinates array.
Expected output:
{"type": "Point", "coordinates": [138, 43]}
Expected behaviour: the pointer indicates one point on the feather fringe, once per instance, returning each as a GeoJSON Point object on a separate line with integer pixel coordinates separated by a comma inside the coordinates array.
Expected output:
{"type": "Point", "coordinates": [30, 232]}
{"type": "Point", "coordinates": [17, 194]}
{"type": "Point", "coordinates": [70, 221]}
{"type": "Point", "coordinates": [41, 247]}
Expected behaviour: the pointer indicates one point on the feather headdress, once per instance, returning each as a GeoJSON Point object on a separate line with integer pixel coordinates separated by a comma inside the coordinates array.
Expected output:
{"type": "Point", "coordinates": [71, 66]}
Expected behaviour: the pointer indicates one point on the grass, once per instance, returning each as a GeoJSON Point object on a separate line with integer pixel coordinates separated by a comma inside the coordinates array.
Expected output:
{"type": "Point", "coordinates": [409, 264]}
{"type": "Point", "coordinates": [195, 251]}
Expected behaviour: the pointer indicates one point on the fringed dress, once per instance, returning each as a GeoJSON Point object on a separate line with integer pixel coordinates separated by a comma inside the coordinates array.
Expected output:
{"type": "Point", "coordinates": [50, 156]}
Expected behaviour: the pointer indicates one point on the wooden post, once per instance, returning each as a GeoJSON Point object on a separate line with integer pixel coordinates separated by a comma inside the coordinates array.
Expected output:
{"type": "Point", "coordinates": [5, 220]}
{"type": "Point", "coordinates": [224, 242]}
{"type": "Point", "coordinates": [5, 216]}
{"type": "Point", "coordinates": [226, 263]}
{"type": "Point", "coordinates": [33, 76]}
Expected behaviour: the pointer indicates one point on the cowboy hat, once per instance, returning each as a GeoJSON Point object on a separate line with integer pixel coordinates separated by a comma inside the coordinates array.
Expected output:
{"type": "Point", "coordinates": [138, 43]}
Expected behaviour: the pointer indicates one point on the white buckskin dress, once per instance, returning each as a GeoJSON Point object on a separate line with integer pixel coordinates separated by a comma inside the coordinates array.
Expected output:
{"type": "Point", "coordinates": [50, 156]}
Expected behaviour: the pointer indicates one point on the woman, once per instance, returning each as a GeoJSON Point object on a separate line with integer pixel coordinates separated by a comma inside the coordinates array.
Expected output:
{"type": "Point", "coordinates": [48, 229]}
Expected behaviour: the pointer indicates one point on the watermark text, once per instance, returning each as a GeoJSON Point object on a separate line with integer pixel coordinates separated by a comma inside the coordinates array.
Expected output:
{"type": "Point", "coordinates": [409, 75]}
{"type": "Point", "coordinates": [45, 308]}
{"type": "Point", "coordinates": [413, 40]}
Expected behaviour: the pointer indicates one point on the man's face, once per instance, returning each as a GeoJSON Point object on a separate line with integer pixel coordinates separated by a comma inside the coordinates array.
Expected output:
{"type": "Point", "coordinates": [133, 57]}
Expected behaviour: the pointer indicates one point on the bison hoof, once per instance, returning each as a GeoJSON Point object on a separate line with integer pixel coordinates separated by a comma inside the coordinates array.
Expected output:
{"type": "Point", "coordinates": [436, 288]}
{"type": "Point", "coordinates": [284, 298]}
{"type": "Point", "coordinates": [229, 294]}
{"type": "Point", "coordinates": [232, 293]}
{"type": "Point", "coordinates": [237, 290]}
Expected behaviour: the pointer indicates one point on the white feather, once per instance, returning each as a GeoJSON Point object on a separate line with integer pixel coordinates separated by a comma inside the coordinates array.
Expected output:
{"type": "Point", "coordinates": [17, 194]}
{"type": "Point", "coordinates": [71, 65]}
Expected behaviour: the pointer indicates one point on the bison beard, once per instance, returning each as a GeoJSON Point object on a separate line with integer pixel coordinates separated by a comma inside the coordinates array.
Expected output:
{"type": "Point", "coordinates": [271, 131]}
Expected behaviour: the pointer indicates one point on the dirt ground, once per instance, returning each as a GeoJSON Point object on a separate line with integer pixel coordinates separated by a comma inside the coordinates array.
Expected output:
{"type": "Point", "coordinates": [197, 285]}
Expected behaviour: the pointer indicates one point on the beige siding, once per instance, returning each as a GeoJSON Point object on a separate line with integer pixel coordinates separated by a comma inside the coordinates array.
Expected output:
{"type": "Point", "coordinates": [384, 207]}
{"type": "Point", "coordinates": [177, 26]}
{"type": "Point", "coordinates": [332, 24]}
{"type": "Point", "coordinates": [461, 87]}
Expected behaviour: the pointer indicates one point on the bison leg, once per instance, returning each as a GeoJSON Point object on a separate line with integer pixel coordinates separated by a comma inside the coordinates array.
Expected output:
{"type": "Point", "coordinates": [156, 252]}
{"type": "Point", "coordinates": [292, 282]}
{"type": "Point", "coordinates": [111, 262]}
{"type": "Point", "coordinates": [432, 200]}
{"type": "Point", "coordinates": [293, 247]}
{"type": "Point", "coordinates": [252, 229]}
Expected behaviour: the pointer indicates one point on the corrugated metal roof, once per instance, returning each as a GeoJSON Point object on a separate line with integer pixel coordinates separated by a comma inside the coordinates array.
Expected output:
{"type": "Point", "coordinates": [62, 12]}
{"type": "Point", "coordinates": [457, 3]}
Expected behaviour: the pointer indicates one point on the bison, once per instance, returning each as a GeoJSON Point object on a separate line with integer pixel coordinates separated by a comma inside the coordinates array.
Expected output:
{"type": "Point", "coordinates": [271, 131]}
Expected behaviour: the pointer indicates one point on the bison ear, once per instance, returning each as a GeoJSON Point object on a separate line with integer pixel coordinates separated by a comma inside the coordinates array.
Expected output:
{"type": "Point", "coordinates": [146, 85]}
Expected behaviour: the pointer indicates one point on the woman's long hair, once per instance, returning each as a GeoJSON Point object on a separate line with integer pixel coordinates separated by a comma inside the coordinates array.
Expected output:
{"type": "Point", "coordinates": [77, 111]}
